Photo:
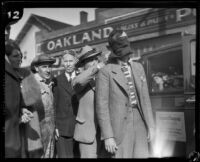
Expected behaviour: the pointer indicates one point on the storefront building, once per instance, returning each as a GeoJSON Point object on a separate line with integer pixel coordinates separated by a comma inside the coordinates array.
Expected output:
{"type": "Point", "coordinates": [165, 40]}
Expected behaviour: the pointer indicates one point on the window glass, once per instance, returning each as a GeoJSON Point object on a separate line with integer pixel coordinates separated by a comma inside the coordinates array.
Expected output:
{"type": "Point", "coordinates": [166, 72]}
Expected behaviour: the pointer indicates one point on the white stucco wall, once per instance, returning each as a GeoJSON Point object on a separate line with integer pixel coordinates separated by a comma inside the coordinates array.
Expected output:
{"type": "Point", "coordinates": [27, 46]}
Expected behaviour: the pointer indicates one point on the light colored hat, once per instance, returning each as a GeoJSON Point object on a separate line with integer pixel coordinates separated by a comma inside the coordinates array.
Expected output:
{"type": "Point", "coordinates": [85, 53]}
{"type": "Point", "coordinates": [42, 59]}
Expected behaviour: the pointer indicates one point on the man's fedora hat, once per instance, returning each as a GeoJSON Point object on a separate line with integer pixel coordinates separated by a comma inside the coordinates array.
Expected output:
{"type": "Point", "coordinates": [42, 59]}
{"type": "Point", "coordinates": [87, 52]}
{"type": "Point", "coordinates": [119, 44]}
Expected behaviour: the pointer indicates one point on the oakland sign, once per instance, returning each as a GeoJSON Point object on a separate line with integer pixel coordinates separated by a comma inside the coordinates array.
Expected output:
{"type": "Point", "coordinates": [156, 20]}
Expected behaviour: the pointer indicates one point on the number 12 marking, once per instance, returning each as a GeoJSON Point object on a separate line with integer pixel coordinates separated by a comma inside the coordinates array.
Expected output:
{"type": "Point", "coordinates": [13, 15]}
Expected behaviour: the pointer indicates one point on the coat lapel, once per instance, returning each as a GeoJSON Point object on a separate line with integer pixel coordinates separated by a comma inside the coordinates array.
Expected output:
{"type": "Point", "coordinates": [137, 74]}
{"type": "Point", "coordinates": [119, 77]}
{"type": "Point", "coordinates": [65, 84]}
{"type": "Point", "coordinates": [92, 85]}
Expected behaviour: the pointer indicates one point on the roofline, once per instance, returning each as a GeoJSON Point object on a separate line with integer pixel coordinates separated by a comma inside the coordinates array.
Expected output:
{"type": "Point", "coordinates": [21, 34]}
{"type": "Point", "coordinates": [45, 25]}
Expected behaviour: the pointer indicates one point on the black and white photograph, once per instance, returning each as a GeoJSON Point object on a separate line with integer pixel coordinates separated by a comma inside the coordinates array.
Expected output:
{"type": "Point", "coordinates": [99, 82]}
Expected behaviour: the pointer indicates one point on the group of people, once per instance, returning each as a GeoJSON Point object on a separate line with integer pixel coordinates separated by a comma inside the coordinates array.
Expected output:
{"type": "Point", "coordinates": [92, 110]}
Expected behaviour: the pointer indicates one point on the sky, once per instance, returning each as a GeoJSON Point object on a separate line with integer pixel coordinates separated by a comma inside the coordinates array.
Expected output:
{"type": "Point", "coordinates": [66, 15]}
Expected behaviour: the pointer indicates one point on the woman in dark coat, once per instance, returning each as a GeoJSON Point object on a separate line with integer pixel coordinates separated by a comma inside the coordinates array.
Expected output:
{"type": "Point", "coordinates": [13, 101]}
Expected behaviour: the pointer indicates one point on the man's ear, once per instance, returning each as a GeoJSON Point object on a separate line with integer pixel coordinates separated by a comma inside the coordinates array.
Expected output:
{"type": "Point", "coordinates": [108, 47]}
{"type": "Point", "coordinates": [36, 69]}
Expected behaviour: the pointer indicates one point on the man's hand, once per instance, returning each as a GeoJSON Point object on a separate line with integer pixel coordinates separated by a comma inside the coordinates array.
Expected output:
{"type": "Point", "coordinates": [56, 134]}
{"type": "Point", "coordinates": [151, 134]}
{"type": "Point", "coordinates": [26, 116]}
{"type": "Point", "coordinates": [110, 145]}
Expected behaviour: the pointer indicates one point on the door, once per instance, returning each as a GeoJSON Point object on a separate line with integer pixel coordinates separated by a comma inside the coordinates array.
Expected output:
{"type": "Point", "coordinates": [189, 68]}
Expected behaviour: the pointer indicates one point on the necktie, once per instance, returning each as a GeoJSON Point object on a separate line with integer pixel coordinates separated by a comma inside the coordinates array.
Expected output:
{"type": "Point", "coordinates": [70, 79]}
{"type": "Point", "coordinates": [132, 95]}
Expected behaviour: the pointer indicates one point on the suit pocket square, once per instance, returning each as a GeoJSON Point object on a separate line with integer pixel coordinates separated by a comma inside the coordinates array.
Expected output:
{"type": "Point", "coordinates": [80, 120]}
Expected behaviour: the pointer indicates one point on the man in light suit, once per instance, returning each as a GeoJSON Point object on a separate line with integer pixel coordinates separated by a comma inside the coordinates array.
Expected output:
{"type": "Point", "coordinates": [86, 130]}
{"type": "Point", "coordinates": [66, 105]}
{"type": "Point", "coordinates": [123, 104]}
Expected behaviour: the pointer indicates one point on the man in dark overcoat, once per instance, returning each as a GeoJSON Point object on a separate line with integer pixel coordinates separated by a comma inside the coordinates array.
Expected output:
{"type": "Point", "coordinates": [66, 105]}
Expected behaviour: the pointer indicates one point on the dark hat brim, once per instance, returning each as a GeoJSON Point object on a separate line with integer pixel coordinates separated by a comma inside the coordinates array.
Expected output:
{"type": "Point", "coordinates": [49, 61]}
{"type": "Point", "coordinates": [45, 62]}
{"type": "Point", "coordinates": [41, 60]}
{"type": "Point", "coordinates": [86, 57]}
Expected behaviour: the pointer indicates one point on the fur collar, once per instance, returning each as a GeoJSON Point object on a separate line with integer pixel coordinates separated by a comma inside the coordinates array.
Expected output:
{"type": "Point", "coordinates": [30, 90]}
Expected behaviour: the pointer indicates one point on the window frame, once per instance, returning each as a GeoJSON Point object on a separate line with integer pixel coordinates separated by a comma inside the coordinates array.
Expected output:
{"type": "Point", "coordinates": [186, 42]}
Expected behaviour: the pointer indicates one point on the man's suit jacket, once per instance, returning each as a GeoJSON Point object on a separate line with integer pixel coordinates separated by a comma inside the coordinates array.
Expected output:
{"type": "Point", "coordinates": [66, 105]}
{"type": "Point", "coordinates": [85, 128]}
{"type": "Point", "coordinates": [112, 99]}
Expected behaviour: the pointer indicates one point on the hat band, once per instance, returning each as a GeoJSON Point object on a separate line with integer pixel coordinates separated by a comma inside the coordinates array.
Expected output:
{"type": "Point", "coordinates": [44, 62]}
{"type": "Point", "coordinates": [90, 52]}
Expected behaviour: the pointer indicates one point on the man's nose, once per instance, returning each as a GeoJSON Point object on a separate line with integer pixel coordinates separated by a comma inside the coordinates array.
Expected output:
{"type": "Point", "coordinates": [68, 63]}
{"type": "Point", "coordinates": [19, 58]}
{"type": "Point", "coordinates": [48, 69]}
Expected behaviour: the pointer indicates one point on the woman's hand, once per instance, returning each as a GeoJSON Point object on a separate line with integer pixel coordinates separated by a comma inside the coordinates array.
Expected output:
{"type": "Point", "coordinates": [26, 116]}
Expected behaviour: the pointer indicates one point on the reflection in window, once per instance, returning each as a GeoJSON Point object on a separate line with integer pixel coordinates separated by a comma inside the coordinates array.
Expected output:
{"type": "Point", "coordinates": [166, 72]}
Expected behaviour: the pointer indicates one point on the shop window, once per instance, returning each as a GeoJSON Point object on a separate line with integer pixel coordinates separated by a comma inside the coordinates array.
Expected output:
{"type": "Point", "coordinates": [166, 72]}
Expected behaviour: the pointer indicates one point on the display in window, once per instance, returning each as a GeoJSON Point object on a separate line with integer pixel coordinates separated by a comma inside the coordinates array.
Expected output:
{"type": "Point", "coordinates": [166, 72]}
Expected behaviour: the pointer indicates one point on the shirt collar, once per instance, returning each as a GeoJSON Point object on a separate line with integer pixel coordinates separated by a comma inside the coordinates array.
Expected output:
{"type": "Point", "coordinates": [126, 63]}
{"type": "Point", "coordinates": [73, 74]}
{"type": "Point", "coordinates": [40, 79]}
